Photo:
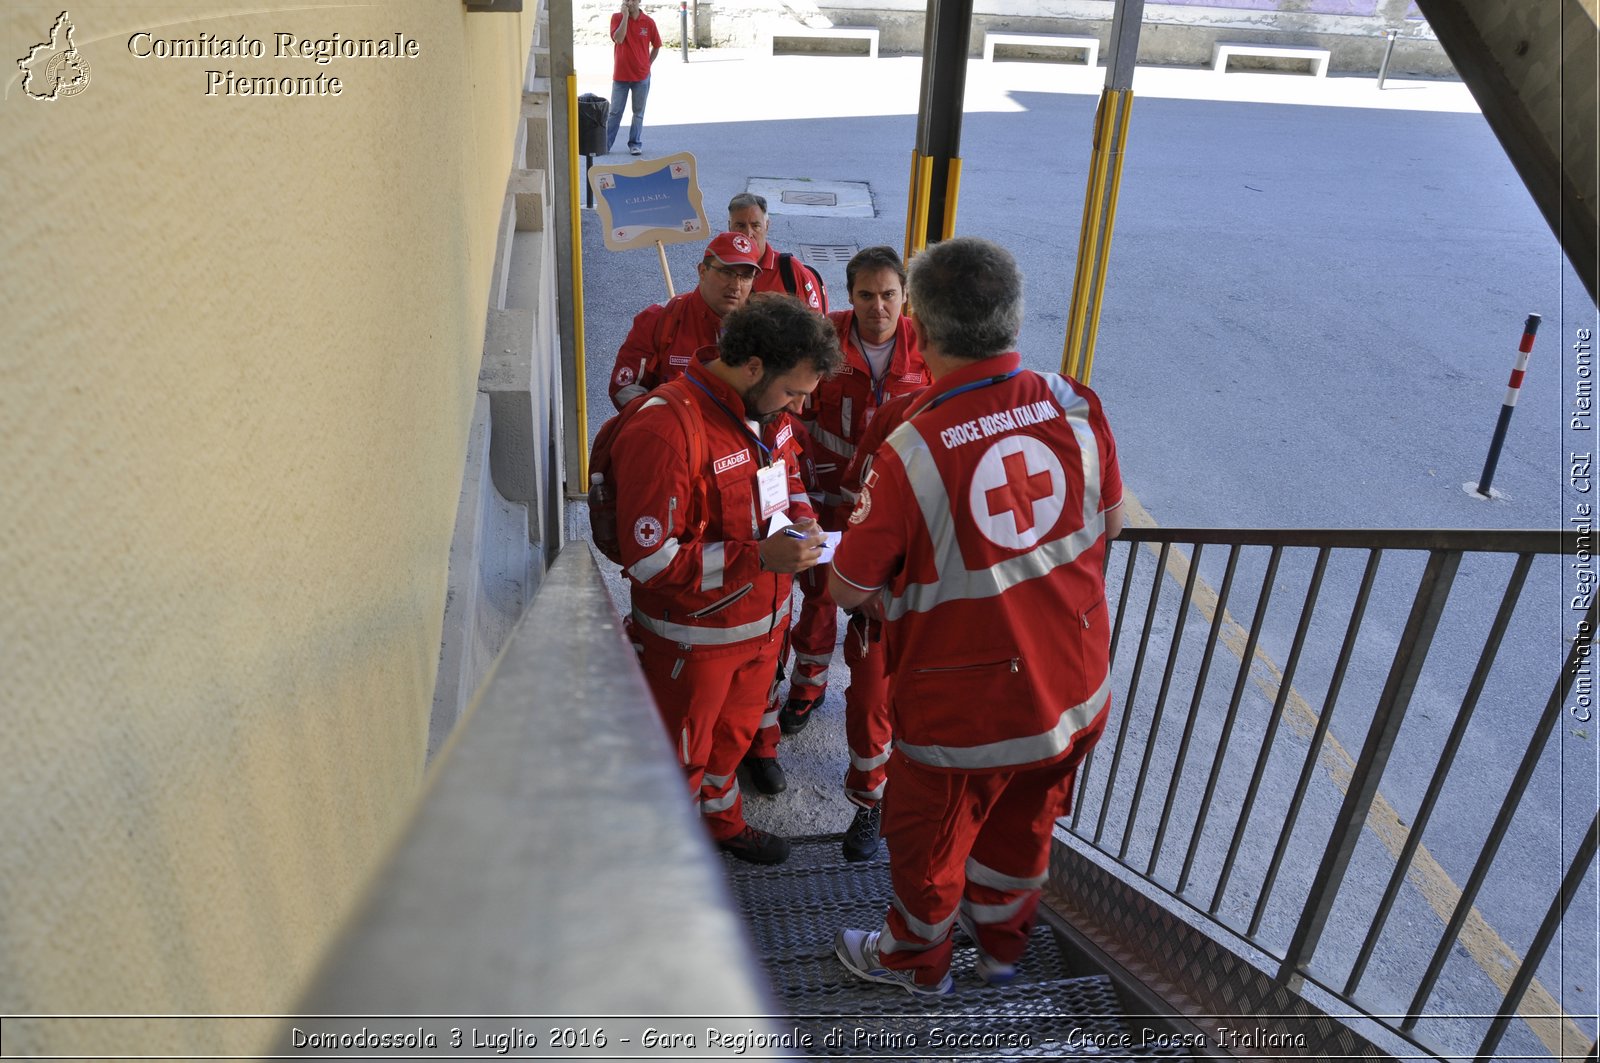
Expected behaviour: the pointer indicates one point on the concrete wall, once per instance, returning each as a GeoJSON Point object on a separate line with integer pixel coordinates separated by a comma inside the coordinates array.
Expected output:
{"type": "Point", "coordinates": [239, 343]}
{"type": "Point", "coordinates": [1174, 34]}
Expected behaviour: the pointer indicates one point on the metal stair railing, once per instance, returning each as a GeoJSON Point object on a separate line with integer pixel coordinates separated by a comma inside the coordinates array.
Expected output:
{"type": "Point", "coordinates": [1424, 648]}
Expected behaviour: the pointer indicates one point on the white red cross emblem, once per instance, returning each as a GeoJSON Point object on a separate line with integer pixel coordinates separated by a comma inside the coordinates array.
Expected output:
{"type": "Point", "coordinates": [1018, 492]}
{"type": "Point", "coordinates": [647, 531]}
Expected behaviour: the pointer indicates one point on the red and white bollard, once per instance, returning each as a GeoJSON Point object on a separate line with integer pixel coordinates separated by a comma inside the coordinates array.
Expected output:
{"type": "Point", "coordinates": [1513, 388]}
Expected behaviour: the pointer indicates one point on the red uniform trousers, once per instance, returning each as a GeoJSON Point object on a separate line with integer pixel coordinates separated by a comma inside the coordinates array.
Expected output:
{"type": "Point", "coordinates": [815, 632]}
{"type": "Point", "coordinates": [711, 701]}
{"type": "Point", "coordinates": [977, 840]}
{"type": "Point", "coordinates": [866, 712]}
{"type": "Point", "coordinates": [765, 742]}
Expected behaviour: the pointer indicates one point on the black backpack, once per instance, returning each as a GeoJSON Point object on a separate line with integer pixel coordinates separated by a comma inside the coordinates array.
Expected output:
{"type": "Point", "coordinates": [791, 281]}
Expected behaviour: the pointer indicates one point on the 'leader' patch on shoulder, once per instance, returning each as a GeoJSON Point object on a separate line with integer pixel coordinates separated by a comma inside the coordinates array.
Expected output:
{"type": "Point", "coordinates": [863, 507]}
{"type": "Point", "coordinates": [647, 531]}
{"type": "Point", "coordinates": [785, 434]}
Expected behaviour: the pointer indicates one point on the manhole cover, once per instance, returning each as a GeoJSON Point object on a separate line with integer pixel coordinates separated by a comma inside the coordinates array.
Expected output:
{"type": "Point", "coordinates": [803, 197]}
{"type": "Point", "coordinates": [826, 254]}
{"type": "Point", "coordinates": [811, 199]}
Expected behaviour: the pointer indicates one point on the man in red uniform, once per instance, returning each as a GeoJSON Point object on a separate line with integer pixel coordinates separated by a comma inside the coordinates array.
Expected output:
{"type": "Point", "coordinates": [709, 551]}
{"type": "Point", "coordinates": [637, 43]}
{"type": "Point", "coordinates": [979, 536]}
{"type": "Point", "coordinates": [867, 730]}
{"type": "Point", "coordinates": [780, 272]}
{"type": "Point", "coordinates": [663, 339]}
{"type": "Point", "coordinates": [881, 362]}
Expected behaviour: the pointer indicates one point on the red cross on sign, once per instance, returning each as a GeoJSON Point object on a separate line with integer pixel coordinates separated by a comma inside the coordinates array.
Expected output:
{"type": "Point", "coordinates": [1020, 491]}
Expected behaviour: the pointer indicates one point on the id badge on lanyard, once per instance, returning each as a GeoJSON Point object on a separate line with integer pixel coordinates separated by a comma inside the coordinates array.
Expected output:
{"type": "Point", "coordinates": [772, 485]}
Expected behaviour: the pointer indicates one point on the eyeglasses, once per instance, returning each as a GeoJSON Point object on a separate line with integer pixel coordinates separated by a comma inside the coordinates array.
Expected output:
{"type": "Point", "coordinates": [747, 275]}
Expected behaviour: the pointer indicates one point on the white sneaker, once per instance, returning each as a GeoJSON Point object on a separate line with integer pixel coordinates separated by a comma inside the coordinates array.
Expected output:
{"type": "Point", "coordinates": [991, 970]}
{"type": "Point", "coordinates": [635, 151]}
{"type": "Point", "coordinates": [858, 951]}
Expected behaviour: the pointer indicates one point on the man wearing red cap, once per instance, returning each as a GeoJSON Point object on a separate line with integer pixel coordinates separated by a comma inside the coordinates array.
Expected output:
{"type": "Point", "coordinates": [663, 339]}
{"type": "Point", "coordinates": [714, 521]}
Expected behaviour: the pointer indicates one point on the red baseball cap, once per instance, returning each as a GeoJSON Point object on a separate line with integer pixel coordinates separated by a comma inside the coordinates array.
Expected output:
{"type": "Point", "coordinates": [734, 249]}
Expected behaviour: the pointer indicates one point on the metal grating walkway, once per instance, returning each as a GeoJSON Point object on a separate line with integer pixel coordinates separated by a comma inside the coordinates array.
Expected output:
{"type": "Point", "coordinates": [793, 911]}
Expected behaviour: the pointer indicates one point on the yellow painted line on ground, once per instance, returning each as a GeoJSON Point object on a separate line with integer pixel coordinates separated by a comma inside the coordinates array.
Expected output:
{"type": "Point", "coordinates": [1487, 949]}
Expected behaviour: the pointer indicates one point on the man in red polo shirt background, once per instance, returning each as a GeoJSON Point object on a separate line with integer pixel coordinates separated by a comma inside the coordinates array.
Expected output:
{"type": "Point", "coordinates": [637, 43]}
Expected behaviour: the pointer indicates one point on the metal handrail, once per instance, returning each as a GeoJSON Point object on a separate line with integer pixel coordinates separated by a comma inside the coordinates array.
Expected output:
{"type": "Point", "coordinates": [555, 866]}
{"type": "Point", "coordinates": [1141, 734]}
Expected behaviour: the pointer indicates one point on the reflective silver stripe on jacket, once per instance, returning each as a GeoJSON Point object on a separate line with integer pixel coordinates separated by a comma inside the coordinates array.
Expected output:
{"type": "Point", "coordinates": [953, 581]}
{"type": "Point", "coordinates": [652, 565]}
{"type": "Point", "coordinates": [988, 876]}
{"type": "Point", "coordinates": [1010, 751]}
{"type": "Point", "coordinates": [712, 558]}
{"type": "Point", "coordinates": [627, 394]}
{"type": "Point", "coordinates": [711, 636]}
{"type": "Point", "coordinates": [836, 444]}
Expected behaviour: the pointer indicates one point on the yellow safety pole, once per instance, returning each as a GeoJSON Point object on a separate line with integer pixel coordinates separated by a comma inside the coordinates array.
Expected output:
{"type": "Point", "coordinates": [924, 197]}
{"type": "Point", "coordinates": [951, 189]}
{"type": "Point", "coordinates": [1100, 196]}
{"type": "Point", "coordinates": [577, 282]}
{"type": "Point", "coordinates": [1119, 135]}
{"type": "Point", "coordinates": [911, 203]}
{"type": "Point", "coordinates": [1087, 278]}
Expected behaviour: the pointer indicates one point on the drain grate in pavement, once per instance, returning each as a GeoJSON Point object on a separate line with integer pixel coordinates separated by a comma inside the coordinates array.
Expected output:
{"type": "Point", "coordinates": [818, 256]}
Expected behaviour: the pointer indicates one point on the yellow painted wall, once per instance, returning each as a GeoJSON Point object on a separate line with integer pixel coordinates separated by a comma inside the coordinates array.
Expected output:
{"type": "Point", "coordinates": [239, 343]}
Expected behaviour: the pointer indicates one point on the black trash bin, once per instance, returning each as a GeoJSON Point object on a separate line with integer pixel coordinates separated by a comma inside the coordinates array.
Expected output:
{"type": "Point", "coordinates": [593, 113]}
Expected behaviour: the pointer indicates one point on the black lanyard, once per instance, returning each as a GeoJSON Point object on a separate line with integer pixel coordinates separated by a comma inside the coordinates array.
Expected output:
{"type": "Point", "coordinates": [766, 451]}
{"type": "Point", "coordinates": [974, 386]}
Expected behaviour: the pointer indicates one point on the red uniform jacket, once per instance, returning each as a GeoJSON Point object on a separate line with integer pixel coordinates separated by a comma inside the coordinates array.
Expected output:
{"type": "Point", "coordinates": [690, 537]}
{"type": "Point", "coordinates": [842, 407]}
{"type": "Point", "coordinates": [661, 345]}
{"type": "Point", "coordinates": [808, 288]}
{"type": "Point", "coordinates": [984, 516]}
{"type": "Point", "coordinates": [889, 417]}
